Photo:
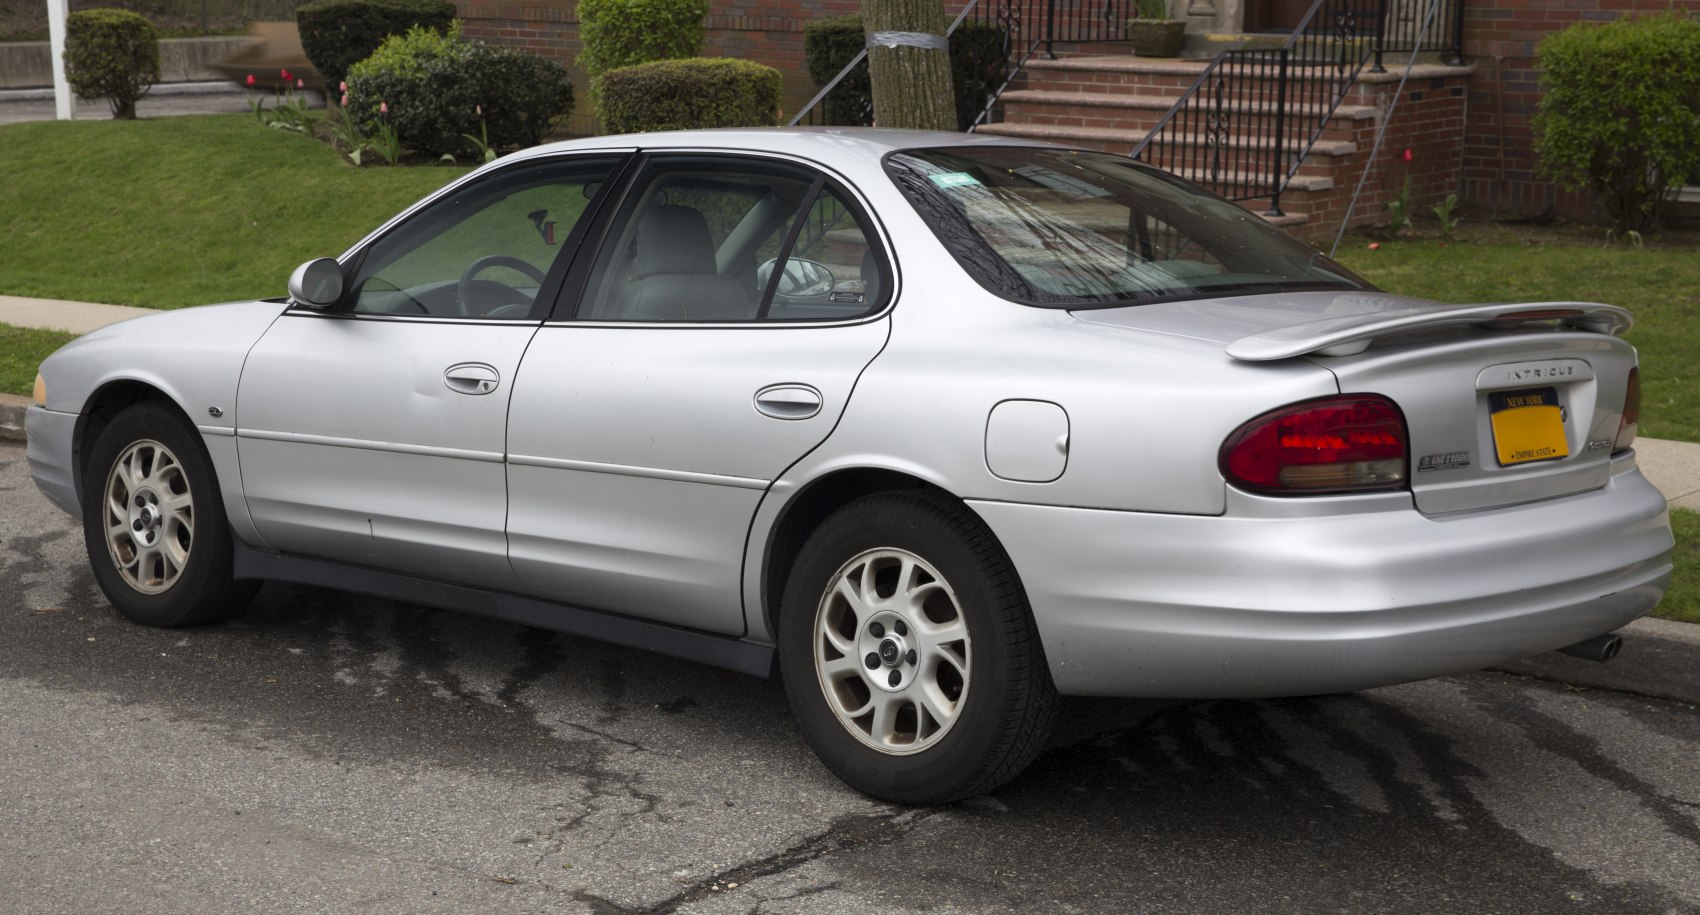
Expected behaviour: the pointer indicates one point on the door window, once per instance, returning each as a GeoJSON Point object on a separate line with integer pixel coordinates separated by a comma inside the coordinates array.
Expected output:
{"type": "Point", "coordinates": [702, 238]}
{"type": "Point", "coordinates": [485, 250]}
{"type": "Point", "coordinates": [833, 270]}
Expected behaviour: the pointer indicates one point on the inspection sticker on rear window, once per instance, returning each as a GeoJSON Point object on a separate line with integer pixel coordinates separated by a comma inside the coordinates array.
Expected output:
{"type": "Point", "coordinates": [955, 179]}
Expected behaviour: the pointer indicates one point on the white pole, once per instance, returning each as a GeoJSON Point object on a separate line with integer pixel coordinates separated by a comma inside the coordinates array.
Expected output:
{"type": "Point", "coordinates": [64, 102]}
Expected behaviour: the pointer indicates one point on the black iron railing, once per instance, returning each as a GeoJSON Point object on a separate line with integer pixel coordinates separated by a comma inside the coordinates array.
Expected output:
{"type": "Point", "coordinates": [1245, 125]}
{"type": "Point", "coordinates": [1338, 35]}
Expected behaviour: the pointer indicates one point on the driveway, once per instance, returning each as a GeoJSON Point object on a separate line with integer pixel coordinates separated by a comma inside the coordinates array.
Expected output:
{"type": "Point", "coordinates": [336, 754]}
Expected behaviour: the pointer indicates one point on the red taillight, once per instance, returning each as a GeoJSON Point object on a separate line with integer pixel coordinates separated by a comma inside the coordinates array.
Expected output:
{"type": "Point", "coordinates": [1352, 443]}
{"type": "Point", "coordinates": [1631, 422]}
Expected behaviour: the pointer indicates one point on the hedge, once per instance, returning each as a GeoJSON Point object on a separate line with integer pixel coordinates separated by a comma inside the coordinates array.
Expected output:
{"type": "Point", "coordinates": [111, 53]}
{"type": "Point", "coordinates": [440, 89]}
{"type": "Point", "coordinates": [622, 33]}
{"type": "Point", "coordinates": [337, 34]}
{"type": "Point", "coordinates": [978, 63]}
{"type": "Point", "coordinates": [1621, 113]}
{"type": "Point", "coordinates": [687, 94]}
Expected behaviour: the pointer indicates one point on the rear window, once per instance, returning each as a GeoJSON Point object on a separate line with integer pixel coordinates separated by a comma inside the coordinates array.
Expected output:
{"type": "Point", "coordinates": [1066, 229]}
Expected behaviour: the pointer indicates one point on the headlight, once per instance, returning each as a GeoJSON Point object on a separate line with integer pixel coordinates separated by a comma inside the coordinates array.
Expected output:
{"type": "Point", "coordinates": [40, 390]}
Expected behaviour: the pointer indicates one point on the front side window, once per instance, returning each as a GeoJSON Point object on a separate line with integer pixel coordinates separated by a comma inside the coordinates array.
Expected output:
{"type": "Point", "coordinates": [1070, 229]}
{"type": "Point", "coordinates": [485, 250]}
{"type": "Point", "coordinates": [707, 239]}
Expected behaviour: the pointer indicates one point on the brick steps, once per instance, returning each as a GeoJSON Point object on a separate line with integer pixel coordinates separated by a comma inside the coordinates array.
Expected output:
{"type": "Point", "coordinates": [1112, 103]}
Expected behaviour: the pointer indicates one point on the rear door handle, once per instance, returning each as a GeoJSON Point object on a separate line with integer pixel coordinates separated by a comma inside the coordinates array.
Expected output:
{"type": "Point", "coordinates": [788, 401]}
{"type": "Point", "coordinates": [472, 378]}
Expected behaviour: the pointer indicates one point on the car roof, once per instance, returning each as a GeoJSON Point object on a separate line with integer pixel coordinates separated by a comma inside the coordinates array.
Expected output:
{"type": "Point", "coordinates": [832, 145]}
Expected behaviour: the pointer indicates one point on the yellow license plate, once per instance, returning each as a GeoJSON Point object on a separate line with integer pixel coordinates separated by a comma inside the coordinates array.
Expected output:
{"type": "Point", "coordinates": [1527, 425]}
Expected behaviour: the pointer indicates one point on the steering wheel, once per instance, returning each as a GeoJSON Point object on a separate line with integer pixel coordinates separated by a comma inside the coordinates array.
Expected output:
{"type": "Point", "coordinates": [463, 292]}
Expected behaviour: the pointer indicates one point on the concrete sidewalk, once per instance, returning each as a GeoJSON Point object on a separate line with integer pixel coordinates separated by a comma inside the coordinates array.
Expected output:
{"type": "Point", "coordinates": [1660, 659]}
{"type": "Point", "coordinates": [72, 317]}
{"type": "Point", "coordinates": [18, 106]}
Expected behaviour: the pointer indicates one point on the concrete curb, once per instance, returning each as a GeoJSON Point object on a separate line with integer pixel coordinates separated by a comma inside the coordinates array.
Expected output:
{"type": "Point", "coordinates": [1659, 658]}
{"type": "Point", "coordinates": [12, 407]}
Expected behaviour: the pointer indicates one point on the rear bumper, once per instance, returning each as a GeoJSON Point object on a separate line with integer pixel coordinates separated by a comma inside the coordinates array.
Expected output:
{"type": "Point", "coordinates": [52, 462]}
{"type": "Point", "coordinates": [1253, 604]}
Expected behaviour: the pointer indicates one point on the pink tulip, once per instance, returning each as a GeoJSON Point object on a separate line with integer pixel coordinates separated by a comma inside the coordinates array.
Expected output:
{"type": "Point", "coordinates": [285, 75]}
{"type": "Point", "coordinates": [1407, 155]}
{"type": "Point", "coordinates": [478, 109]}
{"type": "Point", "coordinates": [300, 84]}
{"type": "Point", "coordinates": [383, 107]}
{"type": "Point", "coordinates": [250, 79]}
{"type": "Point", "coordinates": [343, 86]}
{"type": "Point", "coordinates": [345, 100]}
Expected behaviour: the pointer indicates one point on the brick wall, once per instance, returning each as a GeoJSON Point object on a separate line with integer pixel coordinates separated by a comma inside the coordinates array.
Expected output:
{"type": "Point", "coordinates": [1429, 121]}
{"type": "Point", "coordinates": [1500, 38]}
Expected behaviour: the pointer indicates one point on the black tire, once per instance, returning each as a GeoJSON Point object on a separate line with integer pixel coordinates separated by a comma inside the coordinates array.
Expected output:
{"type": "Point", "coordinates": [200, 589]}
{"type": "Point", "coordinates": [1004, 712]}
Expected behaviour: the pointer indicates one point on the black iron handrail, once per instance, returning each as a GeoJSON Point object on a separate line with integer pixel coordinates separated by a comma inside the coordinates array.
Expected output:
{"type": "Point", "coordinates": [1246, 124]}
{"type": "Point", "coordinates": [1379, 26]}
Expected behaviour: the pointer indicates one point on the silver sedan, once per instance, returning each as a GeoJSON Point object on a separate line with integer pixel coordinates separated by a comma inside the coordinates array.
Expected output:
{"type": "Point", "coordinates": [937, 426]}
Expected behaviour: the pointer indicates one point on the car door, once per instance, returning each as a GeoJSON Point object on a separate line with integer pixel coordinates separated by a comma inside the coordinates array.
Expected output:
{"type": "Point", "coordinates": [373, 431]}
{"type": "Point", "coordinates": [730, 308]}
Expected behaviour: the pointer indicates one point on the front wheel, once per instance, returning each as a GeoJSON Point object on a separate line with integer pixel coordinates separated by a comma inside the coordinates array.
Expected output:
{"type": "Point", "coordinates": [910, 657]}
{"type": "Point", "coordinates": [154, 523]}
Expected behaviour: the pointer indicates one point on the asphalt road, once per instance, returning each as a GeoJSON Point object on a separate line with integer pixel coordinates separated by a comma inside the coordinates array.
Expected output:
{"type": "Point", "coordinates": [334, 754]}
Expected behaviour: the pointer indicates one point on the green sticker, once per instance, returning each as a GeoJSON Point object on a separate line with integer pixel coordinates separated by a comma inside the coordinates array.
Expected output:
{"type": "Point", "coordinates": [955, 179]}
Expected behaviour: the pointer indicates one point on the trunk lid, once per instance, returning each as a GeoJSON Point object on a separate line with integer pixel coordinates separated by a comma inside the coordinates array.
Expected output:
{"type": "Point", "coordinates": [1504, 403]}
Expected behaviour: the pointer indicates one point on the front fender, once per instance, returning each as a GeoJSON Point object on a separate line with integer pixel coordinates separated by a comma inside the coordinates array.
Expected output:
{"type": "Point", "coordinates": [192, 357]}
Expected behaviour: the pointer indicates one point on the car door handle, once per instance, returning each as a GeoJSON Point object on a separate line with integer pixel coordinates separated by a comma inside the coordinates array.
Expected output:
{"type": "Point", "coordinates": [788, 401]}
{"type": "Point", "coordinates": [471, 378]}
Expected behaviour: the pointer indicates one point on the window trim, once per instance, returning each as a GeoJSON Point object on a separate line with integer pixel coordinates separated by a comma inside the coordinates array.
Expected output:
{"type": "Point", "coordinates": [570, 300]}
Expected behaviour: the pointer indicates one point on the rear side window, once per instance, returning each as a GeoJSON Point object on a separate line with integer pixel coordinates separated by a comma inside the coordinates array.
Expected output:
{"type": "Point", "coordinates": [1069, 229]}
{"type": "Point", "coordinates": [713, 239]}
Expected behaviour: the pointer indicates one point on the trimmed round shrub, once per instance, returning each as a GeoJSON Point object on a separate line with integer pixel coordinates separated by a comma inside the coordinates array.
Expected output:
{"type": "Point", "coordinates": [828, 45]}
{"type": "Point", "coordinates": [434, 89]}
{"type": "Point", "coordinates": [111, 53]}
{"type": "Point", "coordinates": [979, 60]}
{"type": "Point", "coordinates": [688, 94]}
{"type": "Point", "coordinates": [621, 33]}
{"type": "Point", "coordinates": [1621, 113]}
{"type": "Point", "coordinates": [337, 34]}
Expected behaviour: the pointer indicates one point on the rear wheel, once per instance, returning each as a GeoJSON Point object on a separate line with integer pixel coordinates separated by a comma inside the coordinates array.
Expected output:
{"type": "Point", "coordinates": [910, 657]}
{"type": "Point", "coordinates": [154, 523]}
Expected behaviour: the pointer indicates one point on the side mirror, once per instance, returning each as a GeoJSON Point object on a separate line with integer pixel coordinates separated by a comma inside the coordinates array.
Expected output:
{"type": "Point", "coordinates": [802, 279]}
{"type": "Point", "coordinates": [316, 284]}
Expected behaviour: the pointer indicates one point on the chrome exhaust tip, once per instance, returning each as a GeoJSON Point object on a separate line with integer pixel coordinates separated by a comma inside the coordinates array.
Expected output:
{"type": "Point", "coordinates": [1600, 648]}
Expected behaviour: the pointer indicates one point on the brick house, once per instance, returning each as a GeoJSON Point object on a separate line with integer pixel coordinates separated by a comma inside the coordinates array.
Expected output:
{"type": "Point", "coordinates": [1464, 113]}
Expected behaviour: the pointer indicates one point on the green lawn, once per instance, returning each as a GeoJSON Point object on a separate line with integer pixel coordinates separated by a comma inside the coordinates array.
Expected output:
{"type": "Point", "coordinates": [21, 351]}
{"type": "Point", "coordinates": [181, 211]}
{"type": "Point", "coordinates": [1659, 283]}
{"type": "Point", "coordinates": [1682, 602]}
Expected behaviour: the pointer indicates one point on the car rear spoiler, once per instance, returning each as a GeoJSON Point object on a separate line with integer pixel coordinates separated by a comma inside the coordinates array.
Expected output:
{"type": "Point", "coordinates": [1352, 334]}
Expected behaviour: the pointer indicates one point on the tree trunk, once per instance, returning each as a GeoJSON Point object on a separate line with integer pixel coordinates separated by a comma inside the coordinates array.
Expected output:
{"type": "Point", "coordinates": [911, 85]}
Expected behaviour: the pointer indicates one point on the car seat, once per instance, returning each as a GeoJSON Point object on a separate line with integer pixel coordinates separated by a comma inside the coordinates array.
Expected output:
{"type": "Point", "coordinates": [673, 274]}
